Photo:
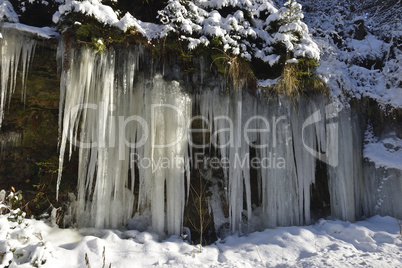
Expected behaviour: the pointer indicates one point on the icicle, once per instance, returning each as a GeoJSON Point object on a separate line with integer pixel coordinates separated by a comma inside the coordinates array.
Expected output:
{"type": "Point", "coordinates": [346, 177]}
{"type": "Point", "coordinates": [226, 116]}
{"type": "Point", "coordinates": [15, 47]}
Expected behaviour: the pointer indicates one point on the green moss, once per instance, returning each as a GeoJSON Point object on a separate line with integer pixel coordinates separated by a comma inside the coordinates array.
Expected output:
{"type": "Point", "coordinates": [87, 31]}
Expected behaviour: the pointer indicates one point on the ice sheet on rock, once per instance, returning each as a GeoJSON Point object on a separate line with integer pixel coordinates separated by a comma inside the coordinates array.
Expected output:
{"type": "Point", "coordinates": [383, 174]}
{"type": "Point", "coordinates": [10, 140]}
{"type": "Point", "coordinates": [346, 179]}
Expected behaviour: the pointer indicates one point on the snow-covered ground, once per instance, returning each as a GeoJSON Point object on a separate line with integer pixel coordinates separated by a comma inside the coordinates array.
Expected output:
{"type": "Point", "coordinates": [375, 242]}
{"type": "Point", "coordinates": [384, 152]}
{"type": "Point", "coordinates": [370, 67]}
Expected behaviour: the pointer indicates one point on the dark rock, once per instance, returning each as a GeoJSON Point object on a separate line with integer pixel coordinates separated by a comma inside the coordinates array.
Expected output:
{"type": "Point", "coordinates": [359, 31]}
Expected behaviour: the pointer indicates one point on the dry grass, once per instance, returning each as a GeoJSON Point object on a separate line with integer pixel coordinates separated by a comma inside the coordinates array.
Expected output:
{"type": "Point", "coordinates": [88, 264]}
{"type": "Point", "coordinates": [236, 69]}
{"type": "Point", "coordinates": [239, 72]}
{"type": "Point", "coordinates": [294, 83]}
{"type": "Point", "coordinates": [288, 83]}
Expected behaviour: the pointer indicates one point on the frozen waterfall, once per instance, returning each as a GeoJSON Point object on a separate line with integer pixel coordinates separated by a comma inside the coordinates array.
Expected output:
{"type": "Point", "coordinates": [136, 145]}
{"type": "Point", "coordinates": [288, 137]}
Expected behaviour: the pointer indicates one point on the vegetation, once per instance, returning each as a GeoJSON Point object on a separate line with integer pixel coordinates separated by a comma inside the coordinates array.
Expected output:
{"type": "Point", "coordinates": [199, 217]}
{"type": "Point", "coordinates": [11, 205]}
{"type": "Point", "coordinates": [300, 78]}
{"type": "Point", "coordinates": [89, 32]}
{"type": "Point", "coordinates": [239, 64]}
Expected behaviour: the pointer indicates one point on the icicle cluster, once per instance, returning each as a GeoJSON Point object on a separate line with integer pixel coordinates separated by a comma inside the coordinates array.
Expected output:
{"type": "Point", "coordinates": [120, 126]}
{"type": "Point", "coordinates": [16, 51]}
{"type": "Point", "coordinates": [288, 140]}
{"type": "Point", "coordinates": [119, 119]}
{"type": "Point", "coordinates": [281, 188]}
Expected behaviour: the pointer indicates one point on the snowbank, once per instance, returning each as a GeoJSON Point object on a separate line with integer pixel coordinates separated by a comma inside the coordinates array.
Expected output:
{"type": "Point", "coordinates": [375, 242]}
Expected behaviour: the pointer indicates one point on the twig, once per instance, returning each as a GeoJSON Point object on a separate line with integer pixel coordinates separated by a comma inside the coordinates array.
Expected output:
{"type": "Point", "coordinates": [258, 252]}
{"type": "Point", "coordinates": [103, 255]}
{"type": "Point", "coordinates": [87, 261]}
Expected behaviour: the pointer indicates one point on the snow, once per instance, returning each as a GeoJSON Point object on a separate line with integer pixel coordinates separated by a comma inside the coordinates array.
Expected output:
{"type": "Point", "coordinates": [203, 19]}
{"type": "Point", "coordinates": [106, 15]}
{"type": "Point", "coordinates": [9, 19]}
{"type": "Point", "coordinates": [199, 22]}
{"type": "Point", "coordinates": [148, 30]}
{"type": "Point", "coordinates": [375, 242]}
{"type": "Point", "coordinates": [386, 152]}
{"type": "Point", "coordinates": [267, 82]}
{"type": "Point", "coordinates": [43, 32]}
{"type": "Point", "coordinates": [7, 12]}
{"type": "Point", "coordinates": [102, 13]}
{"type": "Point", "coordinates": [347, 64]}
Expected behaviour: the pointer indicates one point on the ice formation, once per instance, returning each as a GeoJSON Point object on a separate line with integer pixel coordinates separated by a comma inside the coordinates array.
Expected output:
{"type": "Point", "coordinates": [119, 114]}
{"type": "Point", "coordinates": [288, 138]}
{"type": "Point", "coordinates": [17, 50]}
{"type": "Point", "coordinates": [130, 125]}
{"type": "Point", "coordinates": [121, 122]}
